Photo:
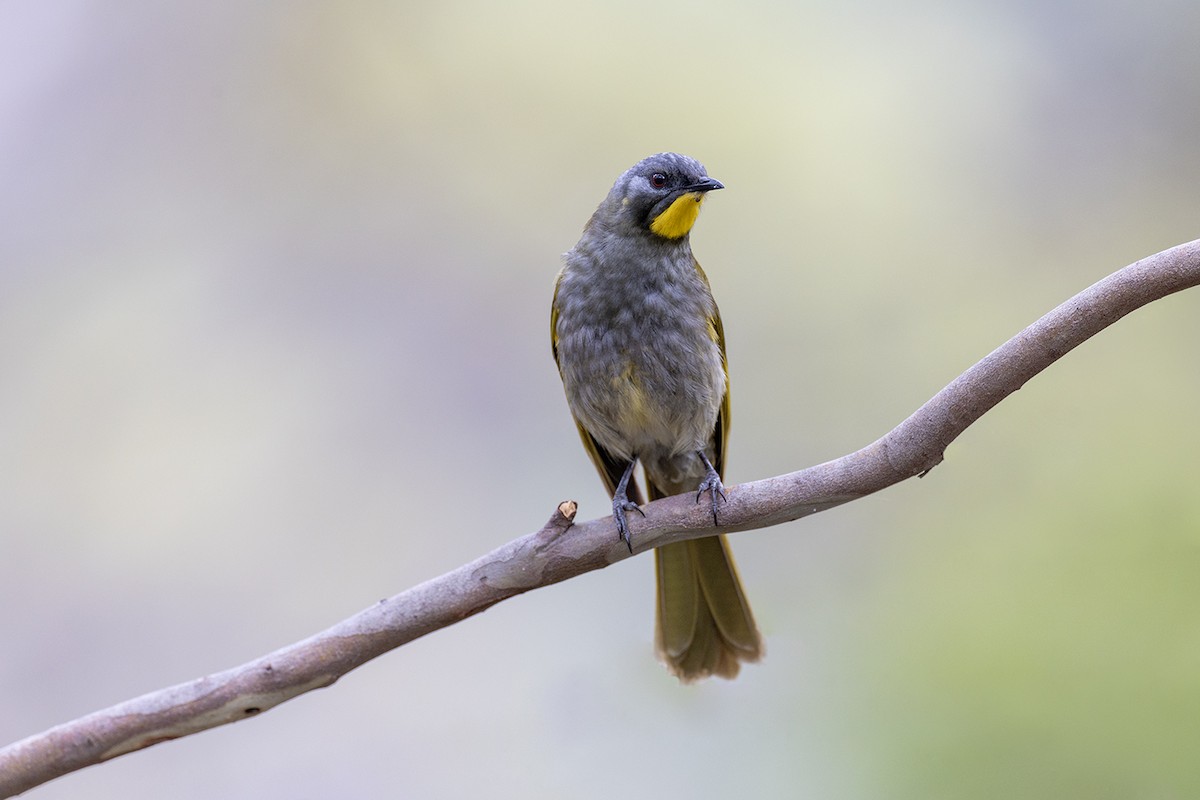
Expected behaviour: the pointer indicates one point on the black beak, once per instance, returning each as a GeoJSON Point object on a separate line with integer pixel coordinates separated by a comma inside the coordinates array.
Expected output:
{"type": "Point", "coordinates": [704, 185]}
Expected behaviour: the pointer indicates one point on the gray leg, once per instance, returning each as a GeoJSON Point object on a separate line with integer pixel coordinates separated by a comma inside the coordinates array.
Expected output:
{"type": "Point", "coordinates": [621, 504]}
{"type": "Point", "coordinates": [711, 483]}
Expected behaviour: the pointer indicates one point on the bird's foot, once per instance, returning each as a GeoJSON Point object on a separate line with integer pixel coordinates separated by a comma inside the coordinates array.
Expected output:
{"type": "Point", "coordinates": [711, 483]}
{"type": "Point", "coordinates": [620, 505]}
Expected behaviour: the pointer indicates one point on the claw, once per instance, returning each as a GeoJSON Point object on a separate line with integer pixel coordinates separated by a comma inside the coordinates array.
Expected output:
{"type": "Point", "coordinates": [621, 504]}
{"type": "Point", "coordinates": [711, 483]}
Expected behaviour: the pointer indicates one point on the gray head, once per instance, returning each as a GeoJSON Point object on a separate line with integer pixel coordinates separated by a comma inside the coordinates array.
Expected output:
{"type": "Point", "coordinates": [660, 195]}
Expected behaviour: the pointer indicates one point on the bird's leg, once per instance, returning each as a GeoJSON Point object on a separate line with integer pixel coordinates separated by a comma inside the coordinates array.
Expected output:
{"type": "Point", "coordinates": [621, 504]}
{"type": "Point", "coordinates": [711, 483]}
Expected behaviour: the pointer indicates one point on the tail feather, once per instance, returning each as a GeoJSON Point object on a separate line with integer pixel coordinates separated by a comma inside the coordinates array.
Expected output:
{"type": "Point", "coordinates": [703, 624]}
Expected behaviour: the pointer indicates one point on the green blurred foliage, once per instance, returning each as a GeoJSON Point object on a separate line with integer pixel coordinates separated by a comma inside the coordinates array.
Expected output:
{"type": "Point", "coordinates": [274, 292]}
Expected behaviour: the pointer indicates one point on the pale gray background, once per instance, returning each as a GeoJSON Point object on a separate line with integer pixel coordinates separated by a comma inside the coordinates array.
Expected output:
{"type": "Point", "coordinates": [274, 295]}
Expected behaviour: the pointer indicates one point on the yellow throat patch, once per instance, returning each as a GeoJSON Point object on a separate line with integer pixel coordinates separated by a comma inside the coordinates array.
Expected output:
{"type": "Point", "coordinates": [680, 216]}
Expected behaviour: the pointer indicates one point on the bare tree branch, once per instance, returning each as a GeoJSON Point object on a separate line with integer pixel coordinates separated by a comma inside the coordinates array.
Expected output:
{"type": "Point", "coordinates": [548, 556]}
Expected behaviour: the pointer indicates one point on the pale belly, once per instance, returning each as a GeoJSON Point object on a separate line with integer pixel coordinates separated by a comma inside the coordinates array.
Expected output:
{"type": "Point", "coordinates": [653, 408]}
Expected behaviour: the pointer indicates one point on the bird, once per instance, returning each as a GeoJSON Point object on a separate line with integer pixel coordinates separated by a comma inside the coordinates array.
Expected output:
{"type": "Point", "coordinates": [640, 348]}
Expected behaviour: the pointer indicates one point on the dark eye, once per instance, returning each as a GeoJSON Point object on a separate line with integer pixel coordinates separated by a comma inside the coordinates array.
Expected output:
{"type": "Point", "coordinates": [658, 180]}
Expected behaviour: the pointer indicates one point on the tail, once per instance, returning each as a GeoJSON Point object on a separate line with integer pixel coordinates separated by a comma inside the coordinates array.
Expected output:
{"type": "Point", "coordinates": [703, 624]}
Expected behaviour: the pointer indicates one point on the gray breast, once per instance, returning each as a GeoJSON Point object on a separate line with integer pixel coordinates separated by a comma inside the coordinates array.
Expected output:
{"type": "Point", "coordinates": [640, 367]}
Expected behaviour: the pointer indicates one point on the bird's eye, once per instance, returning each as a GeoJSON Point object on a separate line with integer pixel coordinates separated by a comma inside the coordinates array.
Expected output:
{"type": "Point", "coordinates": [658, 180]}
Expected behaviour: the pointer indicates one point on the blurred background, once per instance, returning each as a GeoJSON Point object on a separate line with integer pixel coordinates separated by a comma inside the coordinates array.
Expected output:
{"type": "Point", "coordinates": [274, 301]}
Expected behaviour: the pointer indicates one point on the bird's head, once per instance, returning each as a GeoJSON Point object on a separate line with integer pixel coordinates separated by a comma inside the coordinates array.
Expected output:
{"type": "Point", "coordinates": [660, 194]}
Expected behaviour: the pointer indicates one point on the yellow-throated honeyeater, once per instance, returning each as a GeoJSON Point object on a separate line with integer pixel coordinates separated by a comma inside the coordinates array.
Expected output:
{"type": "Point", "coordinates": [641, 352]}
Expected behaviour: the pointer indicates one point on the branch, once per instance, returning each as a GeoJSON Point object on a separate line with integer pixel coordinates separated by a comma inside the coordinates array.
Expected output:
{"type": "Point", "coordinates": [548, 556]}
